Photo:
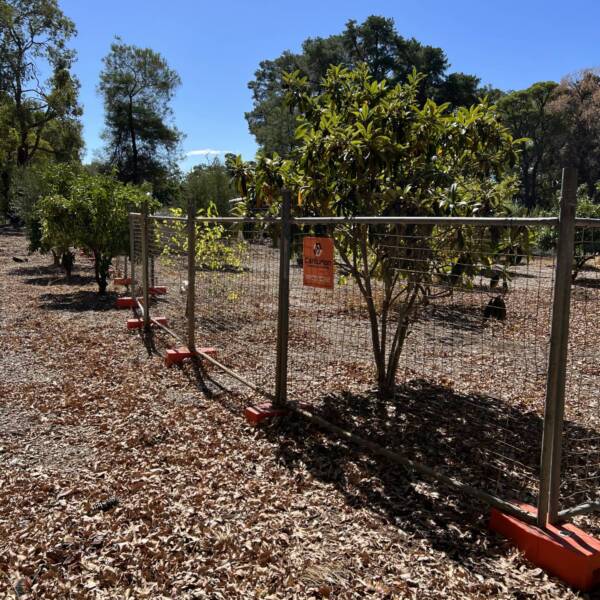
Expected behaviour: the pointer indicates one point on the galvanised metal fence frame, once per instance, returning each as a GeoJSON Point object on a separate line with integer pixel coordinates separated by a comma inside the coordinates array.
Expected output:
{"type": "Point", "coordinates": [548, 510]}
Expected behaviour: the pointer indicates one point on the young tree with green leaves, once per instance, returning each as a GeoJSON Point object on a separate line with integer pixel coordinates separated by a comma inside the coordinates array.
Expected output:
{"type": "Point", "coordinates": [137, 86]}
{"type": "Point", "coordinates": [368, 148]}
{"type": "Point", "coordinates": [91, 212]}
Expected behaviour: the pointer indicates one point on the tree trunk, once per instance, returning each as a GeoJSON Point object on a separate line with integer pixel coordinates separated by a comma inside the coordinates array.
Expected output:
{"type": "Point", "coordinates": [67, 261]}
{"type": "Point", "coordinates": [4, 193]}
{"type": "Point", "coordinates": [134, 150]}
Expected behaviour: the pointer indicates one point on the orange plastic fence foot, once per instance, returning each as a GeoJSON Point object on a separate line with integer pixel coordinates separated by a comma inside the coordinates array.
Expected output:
{"type": "Point", "coordinates": [126, 302]}
{"type": "Point", "coordinates": [158, 290]}
{"type": "Point", "coordinates": [562, 550]}
{"type": "Point", "coordinates": [258, 413]}
{"type": "Point", "coordinates": [212, 352]}
{"type": "Point", "coordinates": [122, 281]}
{"type": "Point", "coordinates": [177, 355]}
{"type": "Point", "coordinates": [139, 323]}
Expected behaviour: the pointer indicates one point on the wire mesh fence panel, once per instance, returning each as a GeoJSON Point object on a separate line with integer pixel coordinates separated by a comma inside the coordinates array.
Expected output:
{"type": "Point", "coordinates": [167, 270]}
{"type": "Point", "coordinates": [458, 312]}
{"type": "Point", "coordinates": [471, 374]}
{"type": "Point", "coordinates": [135, 258]}
{"type": "Point", "coordinates": [581, 438]}
{"type": "Point", "coordinates": [236, 298]}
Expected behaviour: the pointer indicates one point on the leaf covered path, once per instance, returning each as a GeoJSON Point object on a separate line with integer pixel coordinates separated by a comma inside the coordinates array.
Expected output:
{"type": "Point", "coordinates": [121, 479]}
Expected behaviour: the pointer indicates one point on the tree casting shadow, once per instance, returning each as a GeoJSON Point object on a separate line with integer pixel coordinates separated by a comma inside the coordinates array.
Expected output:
{"type": "Point", "coordinates": [80, 301]}
{"type": "Point", "coordinates": [477, 439]}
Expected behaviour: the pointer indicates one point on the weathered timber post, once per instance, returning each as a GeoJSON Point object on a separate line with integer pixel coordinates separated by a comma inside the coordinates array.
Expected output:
{"type": "Point", "coordinates": [145, 290]}
{"type": "Point", "coordinates": [191, 275]}
{"type": "Point", "coordinates": [550, 463]}
{"type": "Point", "coordinates": [283, 311]}
{"type": "Point", "coordinates": [132, 287]}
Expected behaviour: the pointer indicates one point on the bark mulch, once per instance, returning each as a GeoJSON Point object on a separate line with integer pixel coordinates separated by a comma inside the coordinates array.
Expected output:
{"type": "Point", "coordinates": [122, 479]}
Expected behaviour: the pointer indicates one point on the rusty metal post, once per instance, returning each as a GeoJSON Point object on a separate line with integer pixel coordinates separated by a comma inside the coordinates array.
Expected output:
{"type": "Point", "coordinates": [550, 463]}
{"type": "Point", "coordinates": [145, 290]}
{"type": "Point", "coordinates": [283, 311]}
{"type": "Point", "coordinates": [191, 274]}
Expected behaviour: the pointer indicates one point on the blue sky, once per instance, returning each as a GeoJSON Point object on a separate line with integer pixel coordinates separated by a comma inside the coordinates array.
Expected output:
{"type": "Point", "coordinates": [216, 47]}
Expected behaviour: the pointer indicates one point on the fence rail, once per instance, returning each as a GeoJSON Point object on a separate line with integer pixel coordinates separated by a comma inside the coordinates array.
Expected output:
{"type": "Point", "coordinates": [490, 348]}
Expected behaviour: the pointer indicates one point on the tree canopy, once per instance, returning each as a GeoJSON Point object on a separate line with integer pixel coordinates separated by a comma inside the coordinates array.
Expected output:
{"type": "Point", "coordinates": [91, 212]}
{"type": "Point", "coordinates": [366, 147]}
{"type": "Point", "coordinates": [137, 86]}
{"type": "Point", "coordinates": [39, 118]}
{"type": "Point", "coordinates": [376, 43]}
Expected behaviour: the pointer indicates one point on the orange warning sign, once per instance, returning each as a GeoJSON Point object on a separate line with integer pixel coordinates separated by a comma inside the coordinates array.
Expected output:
{"type": "Point", "coordinates": [318, 262]}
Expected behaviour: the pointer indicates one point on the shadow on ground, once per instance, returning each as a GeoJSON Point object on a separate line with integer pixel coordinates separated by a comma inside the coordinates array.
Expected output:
{"type": "Point", "coordinates": [479, 440]}
{"type": "Point", "coordinates": [80, 301]}
{"type": "Point", "coordinates": [60, 279]}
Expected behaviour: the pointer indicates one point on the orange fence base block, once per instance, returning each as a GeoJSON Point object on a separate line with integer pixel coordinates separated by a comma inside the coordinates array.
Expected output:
{"type": "Point", "coordinates": [159, 290]}
{"type": "Point", "coordinates": [212, 352]}
{"type": "Point", "coordinates": [562, 550]}
{"type": "Point", "coordinates": [126, 302]}
{"type": "Point", "coordinates": [139, 323]}
{"type": "Point", "coordinates": [122, 281]}
{"type": "Point", "coordinates": [177, 355]}
{"type": "Point", "coordinates": [258, 413]}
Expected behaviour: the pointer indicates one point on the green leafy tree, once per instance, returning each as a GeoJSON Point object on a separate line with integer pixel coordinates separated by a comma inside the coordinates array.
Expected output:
{"type": "Point", "coordinates": [91, 212]}
{"type": "Point", "coordinates": [137, 86]}
{"type": "Point", "coordinates": [368, 148]}
{"type": "Point", "coordinates": [209, 184]}
{"type": "Point", "coordinates": [528, 114]}
{"type": "Point", "coordinates": [376, 43]}
{"type": "Point", "coordinates": [33, 41]}
{"type": "Point", "coordinates": [576, 102]}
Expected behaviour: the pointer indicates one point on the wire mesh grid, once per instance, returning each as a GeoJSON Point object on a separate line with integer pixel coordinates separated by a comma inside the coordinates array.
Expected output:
{"type": "Point", "coordinates": [471, 377]}
{"type": "Point", "coordinates": [581, 435]}
{"type": "Point", "coordinates": [135, 258]}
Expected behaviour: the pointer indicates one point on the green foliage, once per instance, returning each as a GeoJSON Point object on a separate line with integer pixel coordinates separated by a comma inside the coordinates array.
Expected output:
{"type": "Point", "coordinates": [137, 86]}
{"type": "Point", "coordinates": [368, 148]}
{"type": "Point", "coordinates": [209, 183]}
{"type": "Point", "coordinates": [529, 115]}
{"type": "Point", "coordinates": [39, 119]}
{"type": "Point", "coordinates": [215, 250]}
{"type": "Point", "coordinates": [587, 240]}
{"type": "Point", "coordinates": [91, 212]}
{"type": "Point", "coordinates": [376, 43]}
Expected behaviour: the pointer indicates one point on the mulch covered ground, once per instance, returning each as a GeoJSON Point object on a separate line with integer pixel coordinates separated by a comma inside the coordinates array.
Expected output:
{"type": "Point", "coordinates": [122, 479]}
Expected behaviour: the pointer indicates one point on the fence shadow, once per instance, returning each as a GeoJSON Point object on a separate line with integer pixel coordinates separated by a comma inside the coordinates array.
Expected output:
{"type": "Point", "coordinates": [470, 437]}
{"type": "Point", "coordinates": [80, 301]}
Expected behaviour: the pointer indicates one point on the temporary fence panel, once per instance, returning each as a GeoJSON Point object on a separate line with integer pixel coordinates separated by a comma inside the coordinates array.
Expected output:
{"type": "Point", "coordinates": [471, 400]}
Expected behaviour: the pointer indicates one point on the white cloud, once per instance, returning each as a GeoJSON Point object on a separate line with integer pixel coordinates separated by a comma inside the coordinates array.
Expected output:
{"type": "Point", "coordinates": [206, 152]}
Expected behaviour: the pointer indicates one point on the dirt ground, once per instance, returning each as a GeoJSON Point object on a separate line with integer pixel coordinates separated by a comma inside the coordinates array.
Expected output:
{"type": "Point", "coordinates": [122, 479]}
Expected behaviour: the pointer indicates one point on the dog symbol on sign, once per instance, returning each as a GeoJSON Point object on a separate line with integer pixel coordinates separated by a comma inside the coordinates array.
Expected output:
{"type": "Point", "coordinates": [317, 249]}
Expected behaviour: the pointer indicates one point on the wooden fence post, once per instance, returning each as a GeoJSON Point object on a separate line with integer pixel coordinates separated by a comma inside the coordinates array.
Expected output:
{"type": "Point", "coordinates": [132, 287]}
{"type": "Point", "coordinates": [191, 275]}
{"type": "Point", "coordinates": [145, 290]}
{"type": "Point", "coordinates": [283, 311]}
{"type": "Point", "coordinates": [550, 463]}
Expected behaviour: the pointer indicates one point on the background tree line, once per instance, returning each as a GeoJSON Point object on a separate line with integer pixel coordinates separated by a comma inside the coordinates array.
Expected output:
{"type": "Point", "coordinates": [558, 121]}
{"type": "Point", "coordinates": [41, 119]}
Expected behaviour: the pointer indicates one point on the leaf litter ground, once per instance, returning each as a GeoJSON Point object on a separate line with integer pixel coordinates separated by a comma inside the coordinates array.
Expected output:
{"type": "Point", "coordinates": [121, 479]}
